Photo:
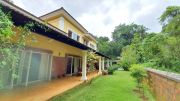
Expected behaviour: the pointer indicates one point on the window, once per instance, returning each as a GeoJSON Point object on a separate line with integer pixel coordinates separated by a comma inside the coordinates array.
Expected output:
{"type": "Point", "coordinates": [69, 33]}
{"type": "Point", "coordinates": [73, 35]}
{"type": "Point", "coordinates": [61, 23]}
{"type": "Point", "coordinates": [92, 46]}
{"type": "Point", "coordinates": [85, 42]}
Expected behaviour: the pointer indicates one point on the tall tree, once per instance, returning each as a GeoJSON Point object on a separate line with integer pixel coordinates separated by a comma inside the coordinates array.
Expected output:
{"type": "Point", "coordinates": [103, 45]}
{"type": "Point", "coordinates": [170, 20]}
{"type": "Point", "coordinates": [125, 33]}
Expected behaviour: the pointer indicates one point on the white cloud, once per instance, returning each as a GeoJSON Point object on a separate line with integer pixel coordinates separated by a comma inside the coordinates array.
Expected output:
{"type": "Point", "coordinates": [19, 3]}
{"type": "Point", "coordinates": [101, 16]}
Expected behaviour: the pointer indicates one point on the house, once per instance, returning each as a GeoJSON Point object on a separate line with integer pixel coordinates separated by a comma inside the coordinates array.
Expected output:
{"type": "Point", "coordinates": [59, 51]}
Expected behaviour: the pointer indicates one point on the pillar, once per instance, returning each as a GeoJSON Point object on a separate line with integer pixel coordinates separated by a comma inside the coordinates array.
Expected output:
{"type": "Point", "coordinates": [84, 66]}
{"type": "Point", "coordinates": [108, 63]}
{"type": "Point", "coordinates": [111, 62]}
{"type": "Point", "coordinates": [100, 65]}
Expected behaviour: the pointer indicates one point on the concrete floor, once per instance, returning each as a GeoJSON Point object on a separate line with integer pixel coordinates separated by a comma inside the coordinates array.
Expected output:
{"type": "Point", "coordinates": [44, 90]}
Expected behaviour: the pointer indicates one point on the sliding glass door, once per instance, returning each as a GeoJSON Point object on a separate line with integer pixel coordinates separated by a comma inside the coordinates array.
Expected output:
{"type": "Point", "coordinates": [33, 67]}
{"type": "Point", "coordinates": [69, 65]}
{"type": "Point", "coordinates": [73, 64]}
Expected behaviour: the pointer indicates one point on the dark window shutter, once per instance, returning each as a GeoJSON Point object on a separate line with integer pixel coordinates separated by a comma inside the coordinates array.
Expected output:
{"type": "Point", "coordinates": [69, 33]}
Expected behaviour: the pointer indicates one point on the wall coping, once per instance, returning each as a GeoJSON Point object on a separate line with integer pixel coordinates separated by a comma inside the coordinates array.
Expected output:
{"type": "Point", "coordinates": [169, 75]}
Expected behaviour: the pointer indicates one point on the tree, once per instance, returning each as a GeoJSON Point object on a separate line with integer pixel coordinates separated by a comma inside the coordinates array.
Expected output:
{"type": "Point", "coordinates": [126, 32]}
{"type": "Point", "coordinates": [157, 50]}
{"type": "Point", "coordinates": [128, 57]}
{"type": "Point", "coordinates": [170, 20]}
{"type": "Point", "coordinates": [103, 45]}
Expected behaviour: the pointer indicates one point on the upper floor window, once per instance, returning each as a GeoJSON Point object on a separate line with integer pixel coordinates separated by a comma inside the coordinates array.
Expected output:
{"type": "Point", "coordinates": [92, 46]}
{"type": "Point", "coordinates": [85, 42]}
{"type": "Point", "coordinates": [73, 35]}
{"type": "Point", "coordinates": [61, 23]}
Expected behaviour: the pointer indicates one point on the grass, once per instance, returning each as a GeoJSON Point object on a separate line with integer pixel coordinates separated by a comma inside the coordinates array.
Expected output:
{"type": "Point", "coordinates": [117, 87]}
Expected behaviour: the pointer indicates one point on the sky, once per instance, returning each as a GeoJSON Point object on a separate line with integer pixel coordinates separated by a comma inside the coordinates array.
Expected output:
{"type": "Point", "coordinates": [100, 17]}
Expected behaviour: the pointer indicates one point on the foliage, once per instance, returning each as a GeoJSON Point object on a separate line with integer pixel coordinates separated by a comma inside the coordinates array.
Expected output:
{"type": "Point", "coordinates": [122, 36]}
{"type": "Point", "coordinates": [157, 50]}
{"type": "Point", "coordinates": [103, 45]}
{"type": "Point", "coordinates": [112, 69]}
{"type": "Point", "coordinates": [170, 20]}
{"type": "Point", "coordinates": [126, 32]}
{"type": "Point", "coordinates": [91, 60]}
{"type": "Point", "coordinates": [138, 72]}
{"type": "Point", "coordinates": [128, 57]}
{"type": "Point", "coordinates": [10, 46]}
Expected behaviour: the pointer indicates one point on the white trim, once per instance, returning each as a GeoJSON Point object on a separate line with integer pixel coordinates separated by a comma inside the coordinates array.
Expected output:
{"type": "Point", "coordinates": [69, 29]}
{"type": "Point", "coordinates": [21, 67]}
{"type": "Point", "coordinates": [29, 66]}
{"type": "Point", "coordinates": [50, 65]}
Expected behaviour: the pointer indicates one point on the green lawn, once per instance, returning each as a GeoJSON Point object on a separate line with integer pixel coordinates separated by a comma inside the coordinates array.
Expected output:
{"type": "Point", "coordinates": [118, 87]}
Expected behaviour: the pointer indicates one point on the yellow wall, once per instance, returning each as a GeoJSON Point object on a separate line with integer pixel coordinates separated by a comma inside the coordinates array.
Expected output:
{"type": "Point", "coordinates": [68, 25]}
{"type": "Point", "coordinates": [54, 22]}
{"type": "Point", "coordinates": [93, 43]}
{"type": "Point", "coordinates": [58, 48]}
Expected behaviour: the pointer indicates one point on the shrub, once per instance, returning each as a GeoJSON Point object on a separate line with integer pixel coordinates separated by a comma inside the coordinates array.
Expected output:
{"type": "Point", "coordinates": [128, 57]}
{"type": "Point", "coordinates": [138, 72]}
{"type": "Point", "coordinates": [112, 69]}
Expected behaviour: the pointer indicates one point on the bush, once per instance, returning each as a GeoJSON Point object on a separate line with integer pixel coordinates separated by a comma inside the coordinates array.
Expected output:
{"type": "Point", "coordinates": [138, 72]}
{"type": "Point", "coordinates": [128, 57]}
{"type": "Point", "coordinates": [112, 69]}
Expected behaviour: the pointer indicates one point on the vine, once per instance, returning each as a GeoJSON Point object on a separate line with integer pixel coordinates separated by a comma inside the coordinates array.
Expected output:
{"type": "Point", "coordinates": [91, 60]}
{"type": "Point", "coordinates": [13, 39]}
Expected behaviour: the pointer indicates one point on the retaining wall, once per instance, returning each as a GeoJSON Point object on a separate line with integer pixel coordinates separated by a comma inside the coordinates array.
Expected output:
{"type": "Point", "coordinates": [164, 85]}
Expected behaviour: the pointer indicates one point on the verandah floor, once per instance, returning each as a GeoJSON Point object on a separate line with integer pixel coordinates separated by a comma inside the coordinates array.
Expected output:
{"type": "Point", "coordinates": [43, 91]}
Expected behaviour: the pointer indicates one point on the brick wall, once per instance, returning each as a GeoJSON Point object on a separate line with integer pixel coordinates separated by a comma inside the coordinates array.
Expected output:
{"type": "Point", "coordinates": [164, 85]}
{"type": "Point", "coordinates": [59, 67]}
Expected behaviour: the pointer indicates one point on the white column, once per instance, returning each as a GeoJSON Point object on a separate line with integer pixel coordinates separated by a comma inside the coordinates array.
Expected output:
{"type": "Point", "coordinates": [84, 65]}
{"type": "Point", "coordinates": [100, 65]}
{"type": "Point", "coordinates": [111, 62]}
{"type": "Point", "coordinates": [50, 66]}
{"type": "Point", "coordinates": [107, 63]}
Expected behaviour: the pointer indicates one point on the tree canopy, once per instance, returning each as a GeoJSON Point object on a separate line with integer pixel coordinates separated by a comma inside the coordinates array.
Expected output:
{"type": "Point", "coordinates": [122, 36]}
{"type": "Point", "coordinates": [170, 20]}
{"type": "Point", "coordinates": [125, 33]}
{"type": "Point", "coordinates": [157, 50]}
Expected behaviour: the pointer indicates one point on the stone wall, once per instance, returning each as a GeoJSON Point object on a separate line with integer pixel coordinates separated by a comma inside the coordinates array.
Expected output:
{"type": "Point", "coordinates": [164, 85]}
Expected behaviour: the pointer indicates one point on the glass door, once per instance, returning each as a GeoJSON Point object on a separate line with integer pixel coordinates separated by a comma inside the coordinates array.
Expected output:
{"type": "Point", "coordinates": [73, 65]}
{"type": "Point", "coordinates": [34, 67]}
{"type": "Point", "coordinates": [69, 65]}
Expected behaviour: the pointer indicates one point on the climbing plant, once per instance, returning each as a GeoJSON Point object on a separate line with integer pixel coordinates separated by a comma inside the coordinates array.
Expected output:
{"type": "Point", "coordinates": [11, 44]}
{"type": "Point", "coordinates": [91, 60]}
